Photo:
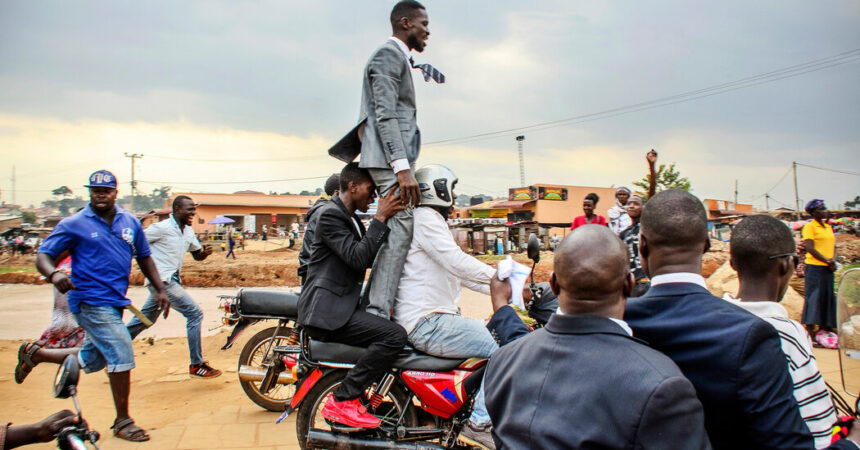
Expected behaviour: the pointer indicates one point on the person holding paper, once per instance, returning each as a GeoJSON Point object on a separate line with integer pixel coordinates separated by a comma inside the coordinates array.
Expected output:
{"type": "Point", "coordinates": [426, 300]}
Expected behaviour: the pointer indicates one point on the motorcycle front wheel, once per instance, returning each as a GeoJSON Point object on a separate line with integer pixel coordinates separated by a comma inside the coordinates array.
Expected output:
{"type": "Point", "coordinates": [310, 412]}
{"type": "Point", "coordinates": [254, 355]}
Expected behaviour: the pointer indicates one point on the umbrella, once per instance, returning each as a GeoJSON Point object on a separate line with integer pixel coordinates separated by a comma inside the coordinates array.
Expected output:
{"type": "Point", "coordinates": [221, 220]}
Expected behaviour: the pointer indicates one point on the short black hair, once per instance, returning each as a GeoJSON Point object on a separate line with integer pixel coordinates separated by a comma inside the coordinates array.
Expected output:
{"type": "Point", "coordinates": [179, 199]}
{"type": "Point", "coordinates": [755, 239]}
{"type": "Point", "coordinates": [674, 218]}
{"type": "Point", "coordinates": [404, 8]}
{"type": "Point", "coordinates": [352, 173]}
{"type": "Point", "coordinates": [332, 184]}
{"type": "Point", "coordinates": [593, 197]}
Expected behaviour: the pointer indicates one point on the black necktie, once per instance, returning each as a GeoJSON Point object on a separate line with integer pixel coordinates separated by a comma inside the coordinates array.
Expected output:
{"type": "Point", "coordinates": [428, 71]}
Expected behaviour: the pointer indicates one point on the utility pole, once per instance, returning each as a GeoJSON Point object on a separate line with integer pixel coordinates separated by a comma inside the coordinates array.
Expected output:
{"type": "Point", "coordinates": [13, 185]}
{"type": "Point", "coordinates": [796, 197]}
{"type": "Point", "coordinates": [736, 194]}
{"type": "Point", "coordinates": [133, 183]}
{"type": "Point", "coordinates": [766, 202]}
{"type": "Point", "coordinates": [520, 140]}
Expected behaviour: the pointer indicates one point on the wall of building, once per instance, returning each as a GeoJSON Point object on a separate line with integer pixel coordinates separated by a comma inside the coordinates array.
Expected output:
{"type": "Point", "coordinates": [285, 216]}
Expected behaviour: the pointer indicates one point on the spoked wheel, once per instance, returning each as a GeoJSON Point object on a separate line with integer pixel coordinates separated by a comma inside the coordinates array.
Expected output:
{"type": "Point", "coordinates": [310, 413]}
{"type": "Point", "coordinates": [254, 355]}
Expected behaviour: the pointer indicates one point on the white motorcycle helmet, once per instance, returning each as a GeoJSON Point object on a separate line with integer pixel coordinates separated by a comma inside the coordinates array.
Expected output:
{"type": "Point", "coordinates": [436, 183]}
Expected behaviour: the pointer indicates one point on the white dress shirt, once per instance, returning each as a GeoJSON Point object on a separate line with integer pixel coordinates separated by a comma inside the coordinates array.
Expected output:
{"type": "Point", "coordinates": [679, 277]}
{"type": "Point", "coordinates": [435, 269]}
{"type": "Point", "coordinates": [169, 244]}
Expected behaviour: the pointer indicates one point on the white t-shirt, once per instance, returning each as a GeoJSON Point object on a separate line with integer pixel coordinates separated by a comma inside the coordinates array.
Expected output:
{"type": "Point", "coordinates": [169, 244]}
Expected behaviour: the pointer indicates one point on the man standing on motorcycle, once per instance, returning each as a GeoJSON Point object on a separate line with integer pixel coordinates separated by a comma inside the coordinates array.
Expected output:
{"type": "Point", "coordinates": [169, 240]}
{"type": "Point", "coordinates": [426, 301]}
{"type": "Point", "coordinates": [330, 307]}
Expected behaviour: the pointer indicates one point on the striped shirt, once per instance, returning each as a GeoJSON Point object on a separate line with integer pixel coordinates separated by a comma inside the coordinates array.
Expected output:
{"type": "Point", "coordinates": [813, 398]}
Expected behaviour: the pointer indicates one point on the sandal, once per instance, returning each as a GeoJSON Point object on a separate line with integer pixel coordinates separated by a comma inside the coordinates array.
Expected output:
{"type": "Point", "coordinates": [25, 360]}
{"type": "Point", "coordinates": [126, 429]}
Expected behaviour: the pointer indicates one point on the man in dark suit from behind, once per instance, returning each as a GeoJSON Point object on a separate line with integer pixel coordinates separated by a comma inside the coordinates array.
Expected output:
{"type": "Point", "coordinates": [332, 187]}
{"type": "Point", "coordinates": [583, 382]}
{"type": "Point", "coordinates": [329, 306]}
{"type": "Point", "coordinates": [732, 357]}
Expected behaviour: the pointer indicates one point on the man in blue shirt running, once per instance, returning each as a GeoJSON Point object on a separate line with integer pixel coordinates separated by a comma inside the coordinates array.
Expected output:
{"type": "Point", "coordinates": [102, 240]}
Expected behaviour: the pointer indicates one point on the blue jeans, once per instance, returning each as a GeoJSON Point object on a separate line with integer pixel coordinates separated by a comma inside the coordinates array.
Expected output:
{"type": "Point", "coordinates": [455, 336]}
{"type": "Point", "coordinates": [185, 305]}
{"type": "Point", "coordinates": [107, 343]}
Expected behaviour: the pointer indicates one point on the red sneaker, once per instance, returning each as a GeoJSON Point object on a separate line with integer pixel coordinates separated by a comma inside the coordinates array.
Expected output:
{"type": "Point", "coordinates": [203, 370]}
{"type": "Point", "coordinates": [350, 413]}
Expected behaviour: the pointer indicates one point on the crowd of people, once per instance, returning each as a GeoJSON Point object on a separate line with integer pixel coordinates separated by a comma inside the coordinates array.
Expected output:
{"type": "Point", "coordinates": [639, 354]}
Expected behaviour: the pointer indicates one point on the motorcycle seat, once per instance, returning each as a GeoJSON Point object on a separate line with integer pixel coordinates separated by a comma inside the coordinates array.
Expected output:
{"type": "Point", "coordinates": [269, 302]}
{"type": "Point", "coordinates": [408, 359]}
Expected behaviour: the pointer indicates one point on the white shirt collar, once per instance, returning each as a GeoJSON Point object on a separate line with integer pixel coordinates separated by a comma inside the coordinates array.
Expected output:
{"type": "Point", "coordinates": [761, 309]}
{"type": "Point", "coordinates": [679, 277]}
{"type": "Point", "coordinates": [620, 322]}
{"type": "Point", "coordinates": [402, 46]}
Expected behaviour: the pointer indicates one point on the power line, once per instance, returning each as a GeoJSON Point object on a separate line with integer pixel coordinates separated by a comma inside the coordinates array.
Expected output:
{"type": "Point", "coordinates": [295, 158]}
{"type": "Point", "coordinates": [768, 77]}
{"type": "Point", "coordinates": [234, 182]}
{"type": "Point", "coordinates": [847, 172]}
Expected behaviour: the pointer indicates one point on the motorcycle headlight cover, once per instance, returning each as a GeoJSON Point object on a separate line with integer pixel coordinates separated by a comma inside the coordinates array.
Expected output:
{"type": "Point", "coordinates": [436, 183]}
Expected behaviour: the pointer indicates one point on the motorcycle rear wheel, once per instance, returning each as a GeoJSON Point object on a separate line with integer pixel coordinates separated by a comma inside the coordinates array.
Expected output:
{"type": "Point", "coordinates": [310, 412]}
{"type": "Point", "coordinates": [253, 354]}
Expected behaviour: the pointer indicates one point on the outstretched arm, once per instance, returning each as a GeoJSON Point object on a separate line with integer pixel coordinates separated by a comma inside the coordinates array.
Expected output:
{"type": "Point", "coordinates": [651, 157]}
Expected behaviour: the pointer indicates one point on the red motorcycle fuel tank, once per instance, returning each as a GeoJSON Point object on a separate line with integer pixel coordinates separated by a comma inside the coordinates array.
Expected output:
{"type": "Point", "coordinates": [440, 393]}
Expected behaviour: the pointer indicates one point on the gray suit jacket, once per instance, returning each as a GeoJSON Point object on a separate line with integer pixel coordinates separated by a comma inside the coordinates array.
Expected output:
{"type": "Point", "coordinates": [583, 383]}
{"type": "Point", "coordinates": [388, 113]}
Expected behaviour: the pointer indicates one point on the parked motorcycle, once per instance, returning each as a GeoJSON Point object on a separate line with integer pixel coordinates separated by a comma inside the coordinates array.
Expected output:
{"type": "Point", "coordinates": [72, 437]}
{"type": "Point", "coordinates": [250, 306]}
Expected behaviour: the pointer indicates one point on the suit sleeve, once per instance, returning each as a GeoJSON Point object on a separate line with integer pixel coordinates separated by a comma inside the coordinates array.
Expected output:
{"type": "Point", "coordinates": [766, 394]}
{"type": "Point", "coordinates": [358, 254]}
{"type": "Point", "coordinates": [673, 418]}
{"type": "Point", "coordinates": [384, 72]}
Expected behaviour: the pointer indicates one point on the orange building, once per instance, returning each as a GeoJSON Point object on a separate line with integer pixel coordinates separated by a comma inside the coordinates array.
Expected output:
{"type": "Point", "coordinates": [552, 206]}
{"type": "Point", "coordinates": [249, 211]}
{"type": "Point", "coordinates": [722, 208]}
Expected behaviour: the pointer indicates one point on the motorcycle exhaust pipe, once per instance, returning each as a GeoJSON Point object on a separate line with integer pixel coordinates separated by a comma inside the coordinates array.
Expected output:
{"type": "Point", "coordinates": [325, 439]}
{"type": "Point", "coordinates": [248, 373]}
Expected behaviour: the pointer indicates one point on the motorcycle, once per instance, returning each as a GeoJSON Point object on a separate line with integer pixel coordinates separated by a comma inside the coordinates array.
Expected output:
{"type": "Point", "coordinates": [72, 437]}
{"type": "Point", "coordinates": [246, 308]}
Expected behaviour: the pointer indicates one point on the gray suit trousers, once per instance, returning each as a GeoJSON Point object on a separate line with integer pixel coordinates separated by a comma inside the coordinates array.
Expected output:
{"type": "Point", "coordinates": [388, 265]}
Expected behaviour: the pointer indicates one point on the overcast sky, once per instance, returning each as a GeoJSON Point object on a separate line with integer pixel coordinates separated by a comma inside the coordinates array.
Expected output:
{"type": "Point", "coordinates": [223, 91]}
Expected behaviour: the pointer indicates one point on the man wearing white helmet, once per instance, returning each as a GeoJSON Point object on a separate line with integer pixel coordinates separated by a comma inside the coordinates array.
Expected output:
{"type": "Point", "coordinates": [426, 301]}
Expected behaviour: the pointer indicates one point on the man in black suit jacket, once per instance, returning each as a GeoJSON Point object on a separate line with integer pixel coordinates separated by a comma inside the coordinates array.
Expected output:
{"type": "Point", "coordinates": [732, 357]}
{"type": "Point", "coordinates": [583, 382]}
{"type": "Point", "coordinates": [329, 306]}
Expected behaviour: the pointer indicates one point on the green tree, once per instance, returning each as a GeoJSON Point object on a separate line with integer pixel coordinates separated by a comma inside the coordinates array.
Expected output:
{"type": "Point", "coordinates": [667, 178]}
{"type": "Point", "coordinates": [28, 217]}
{"type": "Point", "coordinates": [853, 204]}
{"type": "Point", "coordinates": [62, 191]}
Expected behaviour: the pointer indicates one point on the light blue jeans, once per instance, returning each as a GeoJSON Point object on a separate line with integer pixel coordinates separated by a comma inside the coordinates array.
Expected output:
{"type": "Point", "coordinates": [185, 305]}
{"type": "Point", "coordinates": [106, 344]}
{"type": "Point", "coordinates": [455, 336]}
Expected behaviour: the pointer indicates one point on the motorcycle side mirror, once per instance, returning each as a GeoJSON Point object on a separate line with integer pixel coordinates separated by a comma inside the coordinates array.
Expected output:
{"type": "Point", "coordinates": [848, 321]}
{"type": "Point", "coordinates": [533, 248]}
{"type": "Point", "coordinates": [66, 381]}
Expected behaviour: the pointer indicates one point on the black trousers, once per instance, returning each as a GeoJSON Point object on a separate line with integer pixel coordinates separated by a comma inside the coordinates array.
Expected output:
{"type": "Point", "coordinates": [383, 338]}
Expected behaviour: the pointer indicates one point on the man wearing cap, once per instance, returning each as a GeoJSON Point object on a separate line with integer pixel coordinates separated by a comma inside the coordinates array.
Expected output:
{"type": "Point", "coordinates": [102, 239]}
{"type": "Point", "coordinates": [169, 240]}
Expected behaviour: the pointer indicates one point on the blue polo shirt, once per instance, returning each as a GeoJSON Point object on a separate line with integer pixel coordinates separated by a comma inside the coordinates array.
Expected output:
{"type": "Point", "coordinates": [101, 255]}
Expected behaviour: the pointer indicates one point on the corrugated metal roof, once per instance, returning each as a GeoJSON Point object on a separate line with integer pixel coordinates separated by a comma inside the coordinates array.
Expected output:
{"type": "Point", "coordinates": [281, 201]}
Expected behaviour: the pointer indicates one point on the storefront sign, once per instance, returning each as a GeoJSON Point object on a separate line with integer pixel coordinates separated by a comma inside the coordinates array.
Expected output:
{"type": "Point", "coordinates": [521, 194]}
{"type": "Point", "coordinates": [552, 193]}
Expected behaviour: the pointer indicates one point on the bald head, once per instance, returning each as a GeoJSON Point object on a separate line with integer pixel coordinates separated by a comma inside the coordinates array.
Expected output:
{"type": "Point", "coordinates": [590, 271]}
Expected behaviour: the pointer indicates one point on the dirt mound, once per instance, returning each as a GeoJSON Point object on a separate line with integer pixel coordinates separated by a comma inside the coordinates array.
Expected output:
{"type": "Point", "coordinates": [725, 279]}
{"type": "Point", "coordinates": [848, 248]}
